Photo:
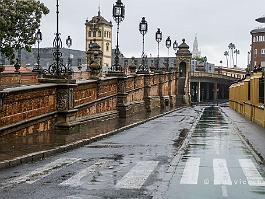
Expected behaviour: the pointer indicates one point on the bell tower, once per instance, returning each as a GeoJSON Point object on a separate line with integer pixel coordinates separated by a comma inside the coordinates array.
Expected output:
{"type": "Point", "coordinates": [99, 30]}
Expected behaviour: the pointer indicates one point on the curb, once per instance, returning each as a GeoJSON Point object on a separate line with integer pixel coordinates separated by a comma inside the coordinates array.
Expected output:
{"type": "Point", "coordinates": [32, 157]}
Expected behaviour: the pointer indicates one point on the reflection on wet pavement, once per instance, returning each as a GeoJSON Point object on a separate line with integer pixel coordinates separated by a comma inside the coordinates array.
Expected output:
{"type": "Point", "coordinates": [12, 146]}
{"type": "Point", "coordinates": [217, 164]}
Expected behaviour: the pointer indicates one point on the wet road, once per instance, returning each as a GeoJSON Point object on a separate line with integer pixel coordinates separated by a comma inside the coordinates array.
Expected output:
{"type": "Point", "coordinates": [216, 164]}
{"type": "Point", "coordinates": [146, 162]}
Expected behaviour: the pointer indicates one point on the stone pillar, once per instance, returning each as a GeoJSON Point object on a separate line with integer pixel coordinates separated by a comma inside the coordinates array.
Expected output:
{"type": "Point", "coordinates": [215, 94]}
{"type": "Point", "coordinates": [199, 92]}
{"type": "Point", "coordinates": [160, 90]}
{"type": "Point", "coordinates": [66, 116]}
{"type": "Point", "coordinates": [207, 91]}
{"type": "Point", "coordinates": [147, 90]}
{"type": "Point", "coordinates": [122, 97]}
{"type": "Point", "coordinates": [170, 77]}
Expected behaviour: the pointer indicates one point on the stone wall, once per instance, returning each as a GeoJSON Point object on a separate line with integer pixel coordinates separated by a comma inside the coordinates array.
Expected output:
{"type": "Point", "coordinates": [62, 106]}
{"type": "Point", "coordinates": [14, 79]}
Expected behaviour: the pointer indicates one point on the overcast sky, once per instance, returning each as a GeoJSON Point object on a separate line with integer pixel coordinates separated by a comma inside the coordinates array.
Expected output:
{"type": "Point", "coordinates": [216, 22]}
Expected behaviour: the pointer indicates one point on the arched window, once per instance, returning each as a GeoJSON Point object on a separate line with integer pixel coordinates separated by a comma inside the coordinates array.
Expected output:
{"type": "Point", "coordinates": [107, 46]}
{"type": "Point", "coordinates": [94, 34]}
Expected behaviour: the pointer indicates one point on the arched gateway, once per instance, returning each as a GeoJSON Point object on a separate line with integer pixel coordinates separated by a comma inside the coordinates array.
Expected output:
{"type": "Point", "coordinates": [183, 65]}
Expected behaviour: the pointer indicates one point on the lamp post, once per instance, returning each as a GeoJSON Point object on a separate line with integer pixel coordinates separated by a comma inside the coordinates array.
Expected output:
{"type": "Point", "coordinates": [175, 46]}
{"type": "Point", "coordinates": [118, 13]}
{"type": "Point", "coordinates": [158, 38]}
{"type": "Point", "coordinates": [143, 28]}
{"type": "Point", "coordinates": [57, 69]}
{"type": "Point", "coordinates": [38, 37]}
{"type": "Point", "coordinates": [69, 44]}
{"type": "Point", "coordinates": [168, 45]}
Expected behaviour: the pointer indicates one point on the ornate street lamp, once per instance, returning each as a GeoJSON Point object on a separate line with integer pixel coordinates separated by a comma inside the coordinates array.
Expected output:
{"type": "Point", "coordinates": [118, 16]}
{"type": "Point", "coordinates": [158, 38]}
{"type": "Point", "coordinates": [175, 46]}
{"type": "Point", "coordinates": [69, 44]}
{"type": "Point", "coordinates": [168, 45]}
{"type": "Point", "coordinates": [143, 28]}
{"type": "Point", "coordinates": [38, 68]}
{"type": "Point", "coordinates": [57, 69]}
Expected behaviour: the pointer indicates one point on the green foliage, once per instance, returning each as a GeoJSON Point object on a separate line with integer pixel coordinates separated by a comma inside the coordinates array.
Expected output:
{"type": "Point", "coordinates": [19, 21]}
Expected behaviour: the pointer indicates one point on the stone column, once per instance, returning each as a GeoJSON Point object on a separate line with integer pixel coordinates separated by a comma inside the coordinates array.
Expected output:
{"type": "Point", "coordinates": [147, 90]}
{"type": "Point", "coordinates": [215, 91]}
{"type": "Point", "coordinates": [122, 97]}
{"type": "Point", "coordinates": [66, 116]}
{"type": "Point", "coordinates": [207, 91]}
{"type": "Point", "coordinates": [160, 90]}
{"type": "Point", "coordinates": [199, 91]}
{"type": "Point", "coordinates": [170, 77]}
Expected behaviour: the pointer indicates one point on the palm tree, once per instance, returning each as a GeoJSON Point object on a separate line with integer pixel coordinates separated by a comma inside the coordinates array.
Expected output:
{"type": "Point", "coordinates": [232, 46]}
{"type": "Point", "coordinates": [237, 52]}
{"type": "Point", "coordinates": [226, 54]}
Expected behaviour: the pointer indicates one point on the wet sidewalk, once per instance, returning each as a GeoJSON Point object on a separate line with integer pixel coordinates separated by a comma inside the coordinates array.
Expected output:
{"type": "Point", "coordinates": [13, 146]}
{"type": "Point", "coordinates": [252, 132]}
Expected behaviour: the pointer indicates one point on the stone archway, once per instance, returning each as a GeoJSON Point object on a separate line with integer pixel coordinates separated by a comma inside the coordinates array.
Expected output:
{"type": "Point", "coordinates": [182, 69]}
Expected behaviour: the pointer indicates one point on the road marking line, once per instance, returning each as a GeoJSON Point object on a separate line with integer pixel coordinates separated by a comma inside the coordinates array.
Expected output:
{"type": "Point", "coordinates": [75, 180]}
{"type": "Point", "coordinates": [137, 176]}
{"type": "Point", "coordinates": [221, 173]}
{"type": "Point", "coordinates": [252, 174]}
{"type": "Point", "coordinates": [42, 172]}
{"type": "Point", "coordinates": [224, 191]}
{"type": "Point", "coordinates": [191, 171]}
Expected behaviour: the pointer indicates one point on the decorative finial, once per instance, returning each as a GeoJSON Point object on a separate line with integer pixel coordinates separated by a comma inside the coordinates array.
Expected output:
{"type": "Point", "coordinates": [183, 40]}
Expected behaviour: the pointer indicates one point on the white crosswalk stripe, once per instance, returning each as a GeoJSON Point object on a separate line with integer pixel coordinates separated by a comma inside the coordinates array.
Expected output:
{"type": "Point", "coordinates": [191, 171]}
{"type": "Point", "coordinates": [41, 172]}
{"type": "Point", "coordinates": [252, 174]}
{"type": "Point", "coordinates": [76, 180]}
{"type": "Point", "coordinates": [137, 176]}
{"type": "Point", "coordinates": [221, 173]}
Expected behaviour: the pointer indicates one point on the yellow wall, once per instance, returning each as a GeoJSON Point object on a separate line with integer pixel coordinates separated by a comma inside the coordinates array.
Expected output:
{"type": "Point", "coordinates": [238, 99]}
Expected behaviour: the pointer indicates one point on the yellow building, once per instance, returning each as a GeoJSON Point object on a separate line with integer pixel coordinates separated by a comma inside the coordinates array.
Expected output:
{"type": "Point", "coordinates": [99, 30]}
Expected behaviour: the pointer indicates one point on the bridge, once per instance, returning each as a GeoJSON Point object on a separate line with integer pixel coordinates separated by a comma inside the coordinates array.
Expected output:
{"type": "Point", "coordinates": [136, 134]}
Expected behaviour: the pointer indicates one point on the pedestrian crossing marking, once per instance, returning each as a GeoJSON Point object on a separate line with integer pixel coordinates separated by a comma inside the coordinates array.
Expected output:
{"type": "Point", "coordinates": [42, 172]}
{"type": "Point", "coordinates": [137, 176]}
{"type": "Point", "coordinates": [191, 171]}
{"type": "Point", "coordinates": [252, 174]}
{"type": "Point", "coordinates": [221, 173]}
{"type": "Point", "coordinates": [76, 180]}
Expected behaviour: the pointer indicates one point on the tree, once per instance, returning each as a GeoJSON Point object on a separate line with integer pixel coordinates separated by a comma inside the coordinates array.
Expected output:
{"type": "Point", "coordinates": [19, 21]}
{"type": "Point", "coordinates": [232, 46]}
{"type": "Point", "coordinates": [237, 52]}
{"type": "Point", "coordinates": [226, 54]}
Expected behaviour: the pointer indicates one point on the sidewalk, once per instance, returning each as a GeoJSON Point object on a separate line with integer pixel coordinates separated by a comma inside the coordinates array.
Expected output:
{"type": "Point", "coordinates": [253, 133]}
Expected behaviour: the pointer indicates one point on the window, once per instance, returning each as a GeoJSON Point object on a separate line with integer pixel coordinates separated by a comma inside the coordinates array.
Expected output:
{"type": "Point", "coordinates": [94, 33]}
{"type": "Point", "coordinates": [89, 34]}
{"type": "Point", "coordinates": [107, 46]}
{"type": "Point", "coordinates": [99, 33]}
{"type": "Point", "coordinates": [105, 33]}
{"type": "Point", "coordinates": [256, 51]}
{"type": "Point", "coordinates": [263, 51]}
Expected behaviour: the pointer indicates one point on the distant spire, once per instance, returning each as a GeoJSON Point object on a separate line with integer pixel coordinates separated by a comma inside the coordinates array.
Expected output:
{"type": "Point", "coordinates": [196, 52]}
{"type": "Point", "coordinates": [99, 12]}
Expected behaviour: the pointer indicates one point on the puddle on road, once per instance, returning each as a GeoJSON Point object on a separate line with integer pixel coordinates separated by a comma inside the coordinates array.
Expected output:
{"type": "Point", "coordinates": [12, 146]}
